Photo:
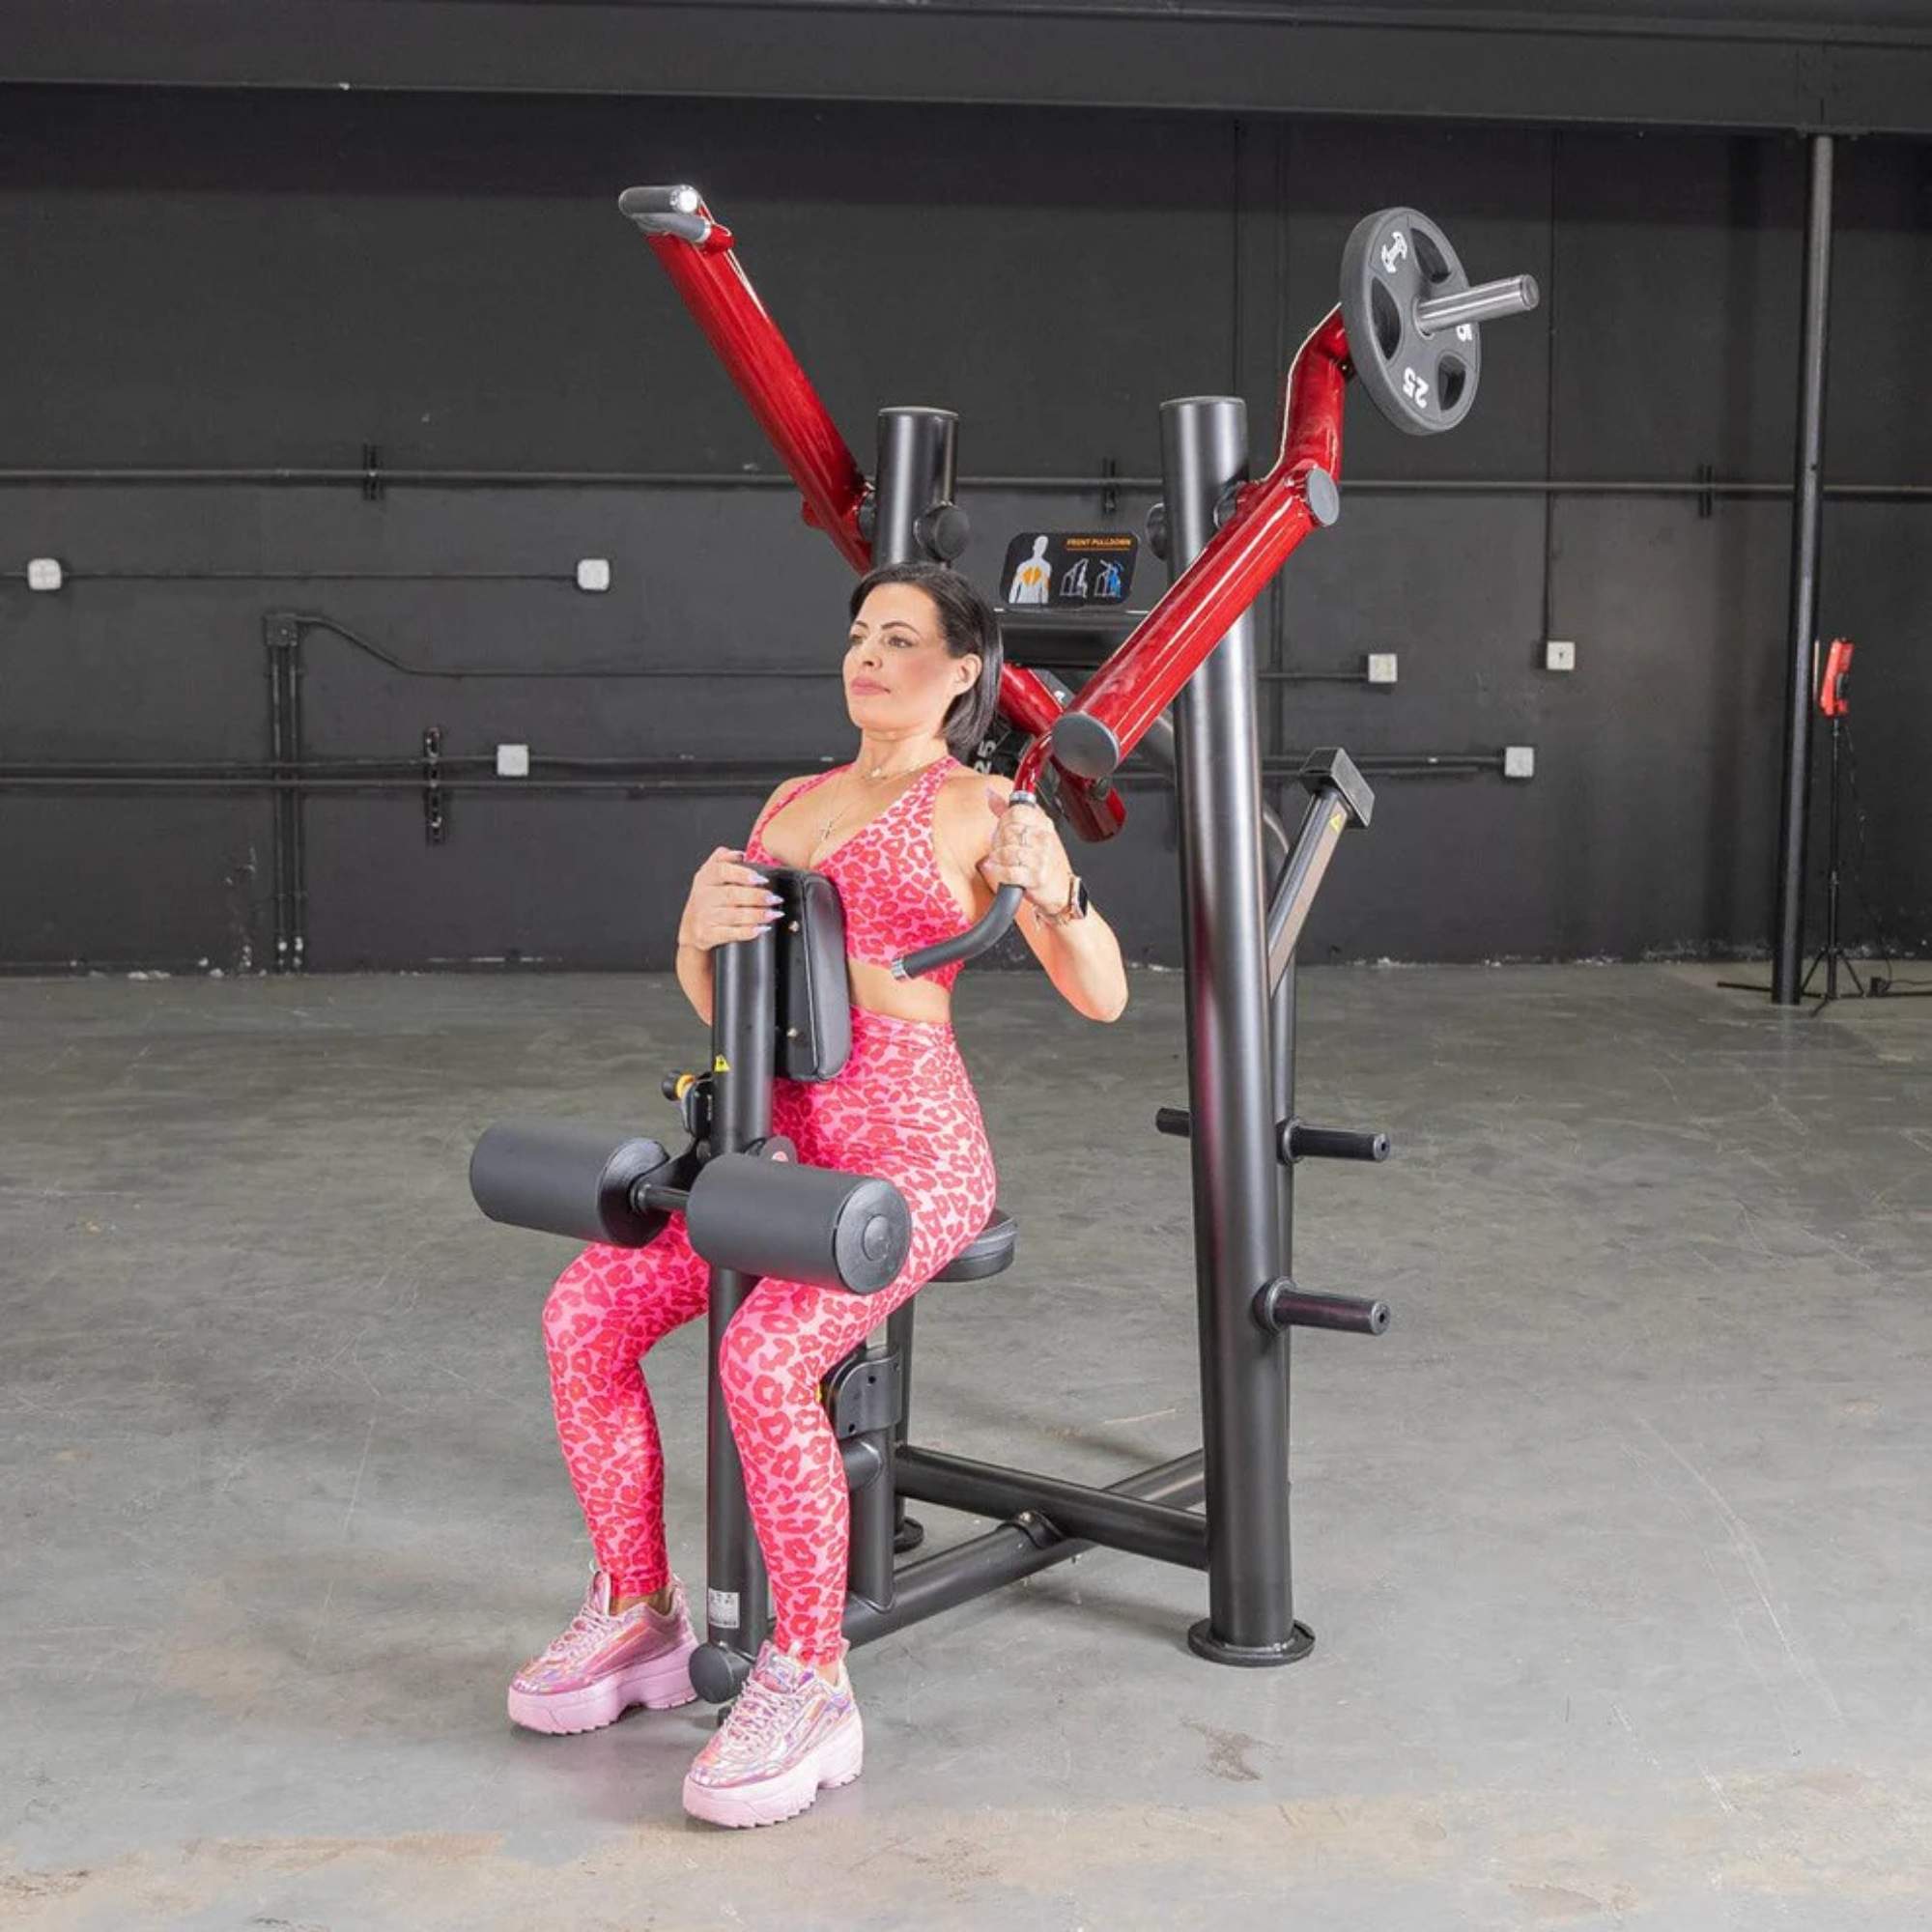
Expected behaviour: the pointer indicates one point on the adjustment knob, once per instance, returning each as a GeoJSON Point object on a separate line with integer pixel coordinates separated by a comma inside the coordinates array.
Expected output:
{"type": "Point", "coordinates": [1156, 531]}
{"type": "Point", "coordinates": [943, 532]}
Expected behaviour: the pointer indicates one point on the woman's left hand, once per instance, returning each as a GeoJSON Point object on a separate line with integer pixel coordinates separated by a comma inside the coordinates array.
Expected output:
{"type": "Point", "coordinates": [1027, 852]}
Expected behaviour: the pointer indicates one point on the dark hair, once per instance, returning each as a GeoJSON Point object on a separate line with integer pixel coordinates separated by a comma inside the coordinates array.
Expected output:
{"type": "Point", "coordinates": [967, 623]}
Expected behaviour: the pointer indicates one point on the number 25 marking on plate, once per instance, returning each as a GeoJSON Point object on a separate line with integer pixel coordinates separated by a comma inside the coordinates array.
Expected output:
{"type": "Point", "coordinates": [1397, 248]}
{"type": "Point", "coordinates": [1415, 388]}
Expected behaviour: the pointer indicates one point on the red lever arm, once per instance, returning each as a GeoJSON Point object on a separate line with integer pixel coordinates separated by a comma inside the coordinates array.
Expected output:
{"type": "Point", "coordinates": [1120, 703]}
{"type": "Point", "coordinates": [1095, 812]}
{"type": "Point", "coordinates": [695, 249]}
{"type": "Point", "coordinates": [757, 359]}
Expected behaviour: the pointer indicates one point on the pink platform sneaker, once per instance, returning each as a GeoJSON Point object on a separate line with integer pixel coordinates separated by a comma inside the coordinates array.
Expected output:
{"type": "Point", "coordinates": [606, 1661]}
{"type": "Point", "coordinates": [790, 1736]}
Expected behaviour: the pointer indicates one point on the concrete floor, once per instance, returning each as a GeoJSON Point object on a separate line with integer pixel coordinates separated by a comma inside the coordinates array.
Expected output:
{"type": "Point", "coordinates": [1619, 1547]}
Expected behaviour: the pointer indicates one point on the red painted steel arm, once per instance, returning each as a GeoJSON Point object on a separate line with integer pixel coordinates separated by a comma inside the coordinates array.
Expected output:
{"type": "Point", "coordinates": [1118, 703]}
{"type": "Point", "coordinates": [1094, 813]}
{"type": "Point", "coordinates": [695, 249]}
{"type": "Point", "coordinates": [1139, 681]}
{"type": "Point", "coordinates": [757, 359]}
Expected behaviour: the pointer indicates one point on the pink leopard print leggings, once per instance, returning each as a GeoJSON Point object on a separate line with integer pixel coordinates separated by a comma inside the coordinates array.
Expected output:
{"type": "Point", "coordinates": [903, 1109]}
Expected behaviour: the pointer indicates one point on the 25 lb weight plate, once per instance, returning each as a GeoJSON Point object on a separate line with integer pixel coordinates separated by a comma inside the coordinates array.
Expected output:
{"type": "Point", "coordinates": [1422, 382]}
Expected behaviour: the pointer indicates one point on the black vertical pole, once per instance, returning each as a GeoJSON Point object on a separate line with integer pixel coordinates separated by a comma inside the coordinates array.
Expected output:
{"type": "Point", "coordinates": [298, 813]}
{"type": "Point", "coordinates": [278, 636]}
{"type": "Point", "coordinates": [1230, 1083]}
{"type": "Point", "coordinates": [742, 1029]}
{"type": "Point", "coordinates": [908, 1533]}
{"type": "Point", "coordinates": [1788, 948]}
{"type": "Point", "coordinates": [918, 456]}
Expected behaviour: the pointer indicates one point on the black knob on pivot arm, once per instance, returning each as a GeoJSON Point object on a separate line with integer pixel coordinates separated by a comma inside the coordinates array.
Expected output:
{"type": "Point", "coordinates": [943, 532]}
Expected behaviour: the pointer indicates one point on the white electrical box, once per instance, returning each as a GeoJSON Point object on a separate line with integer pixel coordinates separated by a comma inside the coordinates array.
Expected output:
{"type": "Point", "coordinates": [513, 761]}
{"type": "Point", "coordinates": [1382, 667]}
{"type": "Point", "coordinates": [44, 573]}
{"type": "Point", "coordinates": [1518, 761]}
{"type": "Point", "coordinates": [1559, 654]}
{"type": "Point", "coordinates": [593, 573]}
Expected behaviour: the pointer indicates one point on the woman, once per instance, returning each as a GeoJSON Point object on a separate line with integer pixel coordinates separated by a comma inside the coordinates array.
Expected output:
{"type": "Point", "coordinates": [916, 843]}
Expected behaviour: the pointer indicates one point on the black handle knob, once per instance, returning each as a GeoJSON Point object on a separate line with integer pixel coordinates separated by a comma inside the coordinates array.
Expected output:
{"type": "Point", "coordinates": [943, 532]}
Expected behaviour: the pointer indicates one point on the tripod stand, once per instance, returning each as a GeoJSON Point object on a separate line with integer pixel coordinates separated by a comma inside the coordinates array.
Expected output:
{"type": "Point", "coordinates": [1834, 701]}
{"type": "Point", "coordinates": [1833, 954]}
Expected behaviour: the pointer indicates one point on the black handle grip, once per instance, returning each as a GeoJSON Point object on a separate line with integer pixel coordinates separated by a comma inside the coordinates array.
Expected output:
{"type": "Point", "coordinates": [992, 927]}
{"type": "Point", "coordinates": [968, 945]}
{"type": "Point", "coordinates": [1282, 1305]}
{"type": "Point", "coordinates": [1301, 1142]}
{"type": "Point", "coordinates": [665, 211]}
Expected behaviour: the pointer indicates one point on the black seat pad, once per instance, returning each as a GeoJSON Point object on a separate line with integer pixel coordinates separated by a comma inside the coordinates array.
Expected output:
{"type": "Point", "coordinates": [989, 1252]}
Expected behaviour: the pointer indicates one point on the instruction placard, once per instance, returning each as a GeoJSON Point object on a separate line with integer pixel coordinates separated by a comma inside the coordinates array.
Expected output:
{"type": "Point", "coordinates": [1058, 570]}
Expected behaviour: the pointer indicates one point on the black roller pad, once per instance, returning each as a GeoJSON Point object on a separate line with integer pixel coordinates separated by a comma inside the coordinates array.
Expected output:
{"type": "Point", "coordinates": [800, 1223]}
{"type": "Point", "coordinates": [563, 1178]}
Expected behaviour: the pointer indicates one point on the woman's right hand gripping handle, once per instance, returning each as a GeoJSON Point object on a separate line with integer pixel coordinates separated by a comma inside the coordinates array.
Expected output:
{"type": "Point", "coordinates": [728, 900]}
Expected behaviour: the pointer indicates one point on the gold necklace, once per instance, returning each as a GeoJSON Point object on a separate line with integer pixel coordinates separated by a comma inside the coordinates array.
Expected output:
{"type": "Point", "coordinates": [844, 811]}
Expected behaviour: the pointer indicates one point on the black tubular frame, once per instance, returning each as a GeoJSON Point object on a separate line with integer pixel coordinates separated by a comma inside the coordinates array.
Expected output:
{"type": "Point", "coordinates": [1231, 1079]}
{"type": "Point", "coordinates": [1240, 1029]}
{"type": "Point", "coordinates": [744, 993]}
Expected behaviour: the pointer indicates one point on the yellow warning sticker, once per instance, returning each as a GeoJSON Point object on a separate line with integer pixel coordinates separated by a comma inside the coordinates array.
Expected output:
{"type": "Point", "coordinates": [721, 1064]}
{"type": "Point", "coordinates": [1337, 819]}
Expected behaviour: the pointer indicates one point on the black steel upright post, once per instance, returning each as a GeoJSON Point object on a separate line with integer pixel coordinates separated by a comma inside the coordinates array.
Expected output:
{"type": "Point", "coordinates": [278, 630]}
{"type": "Point", "coordinates": [1788, 948]}
{"type": "Point", "coordinates": [912, 488]}
{"type": "Point", "coordinates": [917, 475]}
{"type": "Point", "coordinates": [743, 1044]}
{"type": "Point", "coordinates": [1231, 1082]}
{"type": "Point", "coordinates": [281, 634]}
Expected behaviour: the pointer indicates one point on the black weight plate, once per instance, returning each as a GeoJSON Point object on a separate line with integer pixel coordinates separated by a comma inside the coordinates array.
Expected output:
{"type": "Point", "coordinates": [1423, 384]}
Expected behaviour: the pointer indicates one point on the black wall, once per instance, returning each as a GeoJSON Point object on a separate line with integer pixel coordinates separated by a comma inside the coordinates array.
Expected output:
{"type": "Point", "coordinates": [208, 279]}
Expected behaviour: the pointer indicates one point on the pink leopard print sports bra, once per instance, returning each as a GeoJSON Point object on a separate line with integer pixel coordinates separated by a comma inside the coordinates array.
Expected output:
{"type": "Point", "coordinates": [887, 878]}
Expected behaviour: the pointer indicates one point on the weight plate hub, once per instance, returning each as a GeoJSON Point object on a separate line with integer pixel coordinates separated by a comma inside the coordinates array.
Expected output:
{"type": "Point", "coordinates": [1422, 383]}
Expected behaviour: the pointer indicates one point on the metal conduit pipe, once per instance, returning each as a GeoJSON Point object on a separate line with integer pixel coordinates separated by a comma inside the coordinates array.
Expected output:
{"type": "Point", "coordinates": [293, 476]}
{"type": "Point", "coordinates": [255, 780]}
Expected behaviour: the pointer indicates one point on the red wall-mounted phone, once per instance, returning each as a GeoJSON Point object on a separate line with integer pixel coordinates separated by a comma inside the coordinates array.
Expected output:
{"type": "Point", "coordinates": [1834, 697]}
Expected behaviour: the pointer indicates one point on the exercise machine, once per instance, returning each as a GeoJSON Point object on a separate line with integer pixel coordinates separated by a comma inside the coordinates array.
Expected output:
{"type": "Point", "coordinates": [1408, 329]}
